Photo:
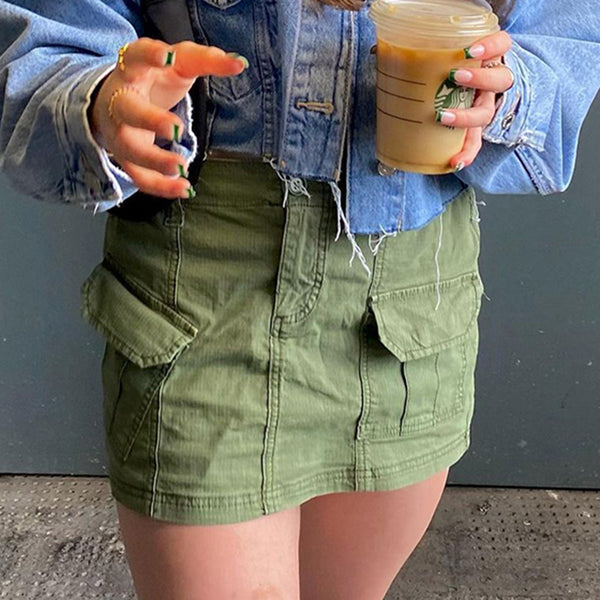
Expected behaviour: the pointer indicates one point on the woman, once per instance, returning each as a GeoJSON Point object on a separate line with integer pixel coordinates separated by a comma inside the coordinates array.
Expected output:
{"type": "Point", "coordinates": [252, 377]}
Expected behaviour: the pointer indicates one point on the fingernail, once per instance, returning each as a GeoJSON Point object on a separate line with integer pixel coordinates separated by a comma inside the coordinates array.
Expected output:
{"type": "Point", "coordinates": [182, 170]}
{"type": "Point", "coordinates": [445, 117]}
{"type": "Point", "coordinates": [460, 76]}
{"type": "Point", "coordinates": [191, 192]}
{"type": "Point", "coordinates": [176, 133]}
{"type": "Point", "coordinates": [237, 56]}
{"type": "Point", "coordinates": [459, 167]}
{"type": "Point", "coordinates": [475, 51]}
{"type": "Point", "coordinates": [170, 58]}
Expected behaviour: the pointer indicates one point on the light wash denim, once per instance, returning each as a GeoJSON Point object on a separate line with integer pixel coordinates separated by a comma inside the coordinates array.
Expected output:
{"type": "Point", "coordinates": [309, 90]}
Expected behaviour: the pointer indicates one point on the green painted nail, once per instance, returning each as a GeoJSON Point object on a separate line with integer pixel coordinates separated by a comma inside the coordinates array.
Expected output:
{"type": "Point", "coordinates": [237, 56]}
{"type": "Point", "coordinates": [459, 167]}
{"type": "Point", "coordinates": [191, 192]}
{"type": "Point", "coordinates": [445, 117]}
{"type": "Point", "coordinates": [182, 171]}
{"type": "Point", "coordinates": [176, 133]}
{"type": "Point", "coordinates": [452, 75]}
{"type": "Point", "coordinates": [170, 60]}
{"type": "Point", "coordinates": [476, 51]}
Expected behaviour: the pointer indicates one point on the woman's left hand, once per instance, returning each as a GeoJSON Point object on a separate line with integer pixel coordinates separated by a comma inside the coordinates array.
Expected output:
{"type": "Point", "coordinates": [488, 82]}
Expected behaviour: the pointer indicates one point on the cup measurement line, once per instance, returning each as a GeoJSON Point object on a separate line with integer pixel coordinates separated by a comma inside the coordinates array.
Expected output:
{"type": "Point", "coordinates": [400, 78]}
{"type": "Point", "coordinates": [397, 117]}
{"type": "Point", "coordinates": [399, 96]}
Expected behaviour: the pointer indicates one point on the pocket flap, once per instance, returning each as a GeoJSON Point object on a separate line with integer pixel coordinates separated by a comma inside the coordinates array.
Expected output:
{"type": "Point", "coordinates": [411, 327]}
{"type": "Point", "coordinates": [146, 331]}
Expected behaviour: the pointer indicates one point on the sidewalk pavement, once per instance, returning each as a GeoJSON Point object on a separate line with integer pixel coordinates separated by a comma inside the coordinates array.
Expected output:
{"type": "Point", "coordinates": [59, 538]}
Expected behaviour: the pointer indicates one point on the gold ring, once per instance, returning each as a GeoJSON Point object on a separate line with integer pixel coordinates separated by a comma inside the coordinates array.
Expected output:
{"type": "Point", "coordinates": [118, 92]}
{"type": "Point", "coordinates": [121, 59]}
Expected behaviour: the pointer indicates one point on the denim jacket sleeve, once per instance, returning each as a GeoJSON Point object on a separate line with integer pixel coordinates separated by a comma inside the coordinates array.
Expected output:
{"type": "Point", "coordinates": [530, 146]}
{"type": "Point", "coordinates": [52, 55]}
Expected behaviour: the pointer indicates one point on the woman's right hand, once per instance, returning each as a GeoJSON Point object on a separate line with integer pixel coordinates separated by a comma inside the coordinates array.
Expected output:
{"type": "Point", "coordinates": [161, 74]}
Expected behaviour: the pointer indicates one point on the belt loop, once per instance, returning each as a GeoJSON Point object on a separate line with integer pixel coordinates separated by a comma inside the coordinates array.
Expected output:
{"type": "Point", "coordinates": [174, 215]}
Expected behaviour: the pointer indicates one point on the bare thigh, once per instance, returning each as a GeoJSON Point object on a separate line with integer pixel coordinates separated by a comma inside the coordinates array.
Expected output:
{"type": "Point", "coordinates": [352, 544]}
{"type": "Point", "coordinates": [252, 560]}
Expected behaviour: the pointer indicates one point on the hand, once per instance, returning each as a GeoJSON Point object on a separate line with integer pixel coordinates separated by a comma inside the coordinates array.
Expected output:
{"type": "Point", "coordinates": [488, 82]}
{"type": "Point", "coordinates": [156, 76]}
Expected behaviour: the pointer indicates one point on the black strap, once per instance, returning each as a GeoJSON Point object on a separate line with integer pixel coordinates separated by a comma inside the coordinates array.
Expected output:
{"type": "Point", "coordinates": [170, 21]}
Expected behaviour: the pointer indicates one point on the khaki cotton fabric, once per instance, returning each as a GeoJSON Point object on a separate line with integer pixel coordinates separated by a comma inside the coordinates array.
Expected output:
{"type": "Point", "coordinates": [248, 367]}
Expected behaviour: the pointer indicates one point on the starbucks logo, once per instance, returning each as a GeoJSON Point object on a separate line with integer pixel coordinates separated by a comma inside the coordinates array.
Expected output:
{"type": "Point", "coordinates": [451, 95]}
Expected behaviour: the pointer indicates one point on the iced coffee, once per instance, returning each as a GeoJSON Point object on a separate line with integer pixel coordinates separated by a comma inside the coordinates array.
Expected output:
{"type": "Point", "coordinates": [418, 43]}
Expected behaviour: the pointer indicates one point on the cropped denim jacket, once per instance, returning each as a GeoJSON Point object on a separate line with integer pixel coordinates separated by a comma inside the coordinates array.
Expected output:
{"type": "Point", "coordinates": [308, 94]}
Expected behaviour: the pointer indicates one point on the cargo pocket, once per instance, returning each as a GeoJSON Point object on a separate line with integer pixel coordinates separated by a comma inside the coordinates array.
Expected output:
{"type": "Point", "coordinates": [433, 354]}
{"type": "Point", "coordinates": [143, 337]}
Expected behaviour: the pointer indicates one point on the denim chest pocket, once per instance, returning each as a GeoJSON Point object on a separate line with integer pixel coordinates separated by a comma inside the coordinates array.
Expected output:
{"type": "Point", "coordinates": [231, 25]}
{"type": "Point", "coordinates": [222, 4]}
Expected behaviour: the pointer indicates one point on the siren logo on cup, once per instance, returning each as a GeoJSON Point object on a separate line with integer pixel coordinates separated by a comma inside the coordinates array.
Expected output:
{"type": "Point", "coordinates": [451, 95]}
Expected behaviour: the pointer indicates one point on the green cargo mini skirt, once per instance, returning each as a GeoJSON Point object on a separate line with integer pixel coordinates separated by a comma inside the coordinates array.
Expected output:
{"type": "Point", "coordinates": [248, 367]}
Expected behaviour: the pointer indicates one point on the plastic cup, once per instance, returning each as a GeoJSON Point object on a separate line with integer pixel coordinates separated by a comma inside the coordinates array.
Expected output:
{"type": "Point", "coordinates": [418, 43]}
